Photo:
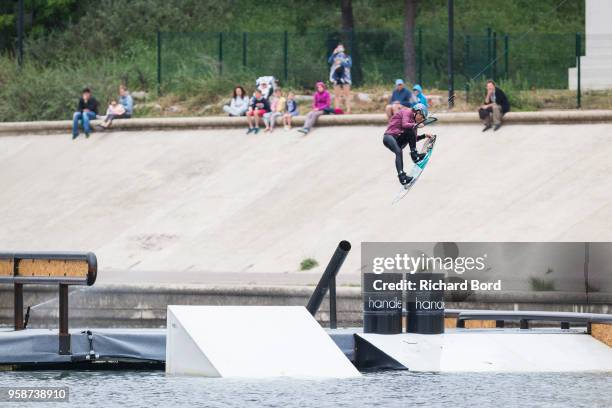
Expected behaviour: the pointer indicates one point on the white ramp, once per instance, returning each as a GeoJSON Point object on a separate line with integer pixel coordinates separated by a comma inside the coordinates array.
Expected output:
{"type": "Point", "coordinates": [251, 341]}
{"type": "Point", "coordinates": [503, 350]}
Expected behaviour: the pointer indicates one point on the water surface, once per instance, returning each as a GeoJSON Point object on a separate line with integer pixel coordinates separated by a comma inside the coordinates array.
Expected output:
{"type": "Point", "coordinates": [376, 389]}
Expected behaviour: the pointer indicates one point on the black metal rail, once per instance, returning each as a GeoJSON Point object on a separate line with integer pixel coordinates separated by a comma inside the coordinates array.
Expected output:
{"type": "Point", "coordinates": [26, 268]}
{"type": "Point", "coordinates": [328, 283]}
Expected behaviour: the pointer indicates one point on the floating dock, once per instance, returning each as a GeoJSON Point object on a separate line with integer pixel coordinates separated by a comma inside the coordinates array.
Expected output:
{"type": "Point", "coordinates": [501, 350]}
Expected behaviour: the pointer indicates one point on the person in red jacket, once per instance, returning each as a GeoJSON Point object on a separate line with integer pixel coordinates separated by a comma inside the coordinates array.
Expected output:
{"type": "Point", "coordinates": [402, 131]}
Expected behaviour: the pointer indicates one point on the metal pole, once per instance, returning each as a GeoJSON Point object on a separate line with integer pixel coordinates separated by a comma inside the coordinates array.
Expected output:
{"type": "Point", "coordinates": [420, 56]}
{"type": "Point", "coordinates": [495, 56]}
{"type": "Point", "coordinates": [467, 92]}
{"type": "Point", "coordinates": [466, 46]}
{"type": "Point", "coordinates": [18, 306]}
{"type": "Point", "coordinates": [286, 55]}
{"type": "Point", "coordinates": [220, 53]}
{"type": "Point", "coordinates": [159, 57]}
{"type": "Point", "coordinates": [20, 28]}
{"type": "Point", "coordinates": [64, 336]}
{"type": "Point", "coordinates": [330, 273]}
{"type": "Point", "coordinates": [244, 49]}
{"type": "Point", "coordinates": [451, 78]}
{"type": "Point", "coordinates": [586, 271]}
{"type": "Point", "coordinates": [489, 51]}
{"type": "Point", "coordinates": [578, 52]}
{"type": "Point", "coordinates": [506, 49]}
{"type": "Point", "coordinates": [333, 318]}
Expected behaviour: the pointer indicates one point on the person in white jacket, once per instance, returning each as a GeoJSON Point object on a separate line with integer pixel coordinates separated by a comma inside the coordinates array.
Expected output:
{"type": "Point", "coordinates": [238, 104]}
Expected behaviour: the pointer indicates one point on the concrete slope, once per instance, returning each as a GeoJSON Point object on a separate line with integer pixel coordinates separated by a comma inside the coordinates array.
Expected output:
{"type": "Point", "coordinates": [222, 201]}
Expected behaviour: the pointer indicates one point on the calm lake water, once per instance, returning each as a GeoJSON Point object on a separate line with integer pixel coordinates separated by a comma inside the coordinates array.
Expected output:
{"type": "Point", "coordinates": [380, 389]}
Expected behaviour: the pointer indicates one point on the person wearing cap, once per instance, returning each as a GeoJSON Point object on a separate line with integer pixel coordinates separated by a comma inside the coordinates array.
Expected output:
{"type": "Point", "coordinates": [399, 96]}
{"type": "Point", "coordinates": [417, 92]}
{"type": "Point", "coordinates": [402, 132]}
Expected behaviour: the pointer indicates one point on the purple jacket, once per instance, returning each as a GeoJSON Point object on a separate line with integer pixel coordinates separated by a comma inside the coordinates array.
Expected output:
{"type": "Point", "coordinates": [400, 122]}
{"type": "Point", "coordinates": [321, 100]}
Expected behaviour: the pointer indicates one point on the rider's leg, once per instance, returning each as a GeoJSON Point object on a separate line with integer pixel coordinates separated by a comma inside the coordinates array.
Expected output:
{"type": "Point", "coordinates": [390, 143]}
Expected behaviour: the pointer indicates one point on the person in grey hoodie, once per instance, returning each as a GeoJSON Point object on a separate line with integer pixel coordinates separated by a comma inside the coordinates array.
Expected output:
{"type": "Point", "coordinates": [239, 104]}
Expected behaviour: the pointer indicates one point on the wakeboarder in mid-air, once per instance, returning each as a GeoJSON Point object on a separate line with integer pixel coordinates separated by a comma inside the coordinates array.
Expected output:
{"type": "Point", "coordinates": [401, 132]}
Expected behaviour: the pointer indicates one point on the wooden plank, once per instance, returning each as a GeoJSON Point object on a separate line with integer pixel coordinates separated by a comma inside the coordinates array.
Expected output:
{"type": "Point", "coordinates": [6, 266]}
{"type": "Point", "coordinates": [52, 267]}
{"type": "Point", "coordinates": [602, 332]}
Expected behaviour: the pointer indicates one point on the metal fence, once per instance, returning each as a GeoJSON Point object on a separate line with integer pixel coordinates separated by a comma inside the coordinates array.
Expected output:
{"type": "Point", "coordinates": [533, 60]}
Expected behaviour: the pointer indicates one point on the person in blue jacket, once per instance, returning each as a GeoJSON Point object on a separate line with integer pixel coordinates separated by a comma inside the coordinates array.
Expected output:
{"type": "Point", "coordinates": [400, 96]}
{"type": "Point", "coordinates": [417, 91]}
{"type": "Point", "coordinates": [340, 76]}
{"type": "Point", "coordinates": [122, 110]}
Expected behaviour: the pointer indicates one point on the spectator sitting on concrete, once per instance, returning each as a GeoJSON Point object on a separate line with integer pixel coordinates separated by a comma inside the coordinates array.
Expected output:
{"type": "Point", "coordinates": [417, 93]}
{"type": "Point", "coordinates": [321, 102]}
{"type": "Point", "coordinates": [87, 110]}
{"type": "Point", "coordinates": [340, 77]}
{"type": "Point", "coordinates": [400, 96]}
{"type": "Point", "coordinates": [257, 108]}
{"type": "Point", "coordinates": [291, 110]}
{"type": "Point", "coordinates": [277, 108]}
{"type": "Point", "coordinates": [495, 106]}
{"type": "Point", "coordinates": [121, 110]}
{"type": "Point", "coordinates": [239, 104]}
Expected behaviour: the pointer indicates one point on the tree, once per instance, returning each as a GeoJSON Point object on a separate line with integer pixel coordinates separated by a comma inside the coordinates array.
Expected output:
{"type": "Point", "coordinates": [410, 7]}
{"type": "Point", "coordinates": [348, 28]}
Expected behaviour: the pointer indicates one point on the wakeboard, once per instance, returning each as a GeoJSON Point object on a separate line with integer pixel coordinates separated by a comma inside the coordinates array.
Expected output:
{"type": "Point", "coordinates": [418, 168]}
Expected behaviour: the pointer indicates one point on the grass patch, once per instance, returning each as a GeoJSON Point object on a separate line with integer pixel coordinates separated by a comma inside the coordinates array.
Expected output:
{"type": "Point", "coordinates": [308, 264]}
{"type": "Point", "coordinates": [541, 285]}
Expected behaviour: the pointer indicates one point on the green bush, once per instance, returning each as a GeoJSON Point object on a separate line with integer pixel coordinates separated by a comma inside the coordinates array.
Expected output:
{"type": "Point", "coordinates": [308, 263]}
{"type": "Point", "coordinates": [38, 92]}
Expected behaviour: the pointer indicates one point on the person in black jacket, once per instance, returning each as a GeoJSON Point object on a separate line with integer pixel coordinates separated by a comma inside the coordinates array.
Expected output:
{"type": "Point", "coordinates": [494, 107]}
{"type": "Point", "coordinates": [87, 110]}
{"type": "Point", "coordinates": [258, 106]}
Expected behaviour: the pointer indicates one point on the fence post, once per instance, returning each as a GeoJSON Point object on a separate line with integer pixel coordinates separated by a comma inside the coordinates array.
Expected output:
{"type": "Point", "coordinates": [244, 49]}
{"type": "Point", "coordinates": [159, 57]}
{"type": "Point", "coordinates": [220, 53]}
{"type": "Point", "coordinates": [506, 48]}
{"type": "Point", "coordinates": [466, 51]}
{"type": "Point", "coordinates": [451, 40]}
{"type": "Point", "coordinates": [286, 55]}
{"type": "Point", "coordinates": [20, 28]}
{"type": "Point", "coordinates": [420, 56]}
{"type": "Point", "coordinates": [488, 51]}
{"type": "Point", "coordinates": [578, 52]}
{"type": "Point", "coordinates": [494, 56]}
{"type": "Point", "coordinates": [467, 93]}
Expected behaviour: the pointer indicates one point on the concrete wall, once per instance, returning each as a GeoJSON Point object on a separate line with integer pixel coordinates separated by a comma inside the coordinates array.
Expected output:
{"type": "Point", "coordinates": [145, 305]}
